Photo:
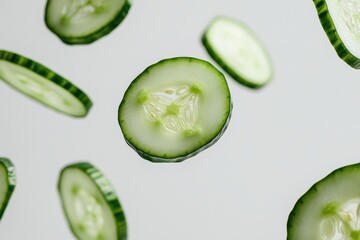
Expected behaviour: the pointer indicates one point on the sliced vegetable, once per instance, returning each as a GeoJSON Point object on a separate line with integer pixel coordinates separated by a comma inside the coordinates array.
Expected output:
{"type": "Point", "coordinates": [90, 204]}
{"type": "Point", "coordinates": [43, 85]}
{"type": "Point", "coordinates": [84, 21]}
{"type": "Point", "coordinates": [7, 183]}
{"type": "Point", "coordinates": [330, 209]}
{"type": "Point", "coordinates": [238, 51]}
{"type": "Point", "coordinates": [175, 109]}
{"type": "Point", "coordinates": [341, 22]}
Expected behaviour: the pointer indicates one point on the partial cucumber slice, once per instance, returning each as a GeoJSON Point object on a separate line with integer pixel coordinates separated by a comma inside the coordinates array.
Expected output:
{"type": "Point", "coordinates": [238, 51]}
{"type": "Point", "coordinates": [43, 85]}
{"type": "Point", "coordinates": [341, 22]}
{"type": "Point", "coordinates": [7, 183]}
{"type": "Point", "coordinates": [90, 204]}
{"type": "Point", "coordinates": [175, 109]}
{"type": "Point", "coordinates": [330, 209]}
{"type": "Point", "coordinates": [84, 21]}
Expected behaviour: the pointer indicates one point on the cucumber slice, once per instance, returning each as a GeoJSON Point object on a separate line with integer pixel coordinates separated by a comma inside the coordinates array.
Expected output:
{"type": "Point", "coordinates": [84, 21]}
{"type": "Point", "coordinates": [7, 183]}
{"type": "Point", "coordinates": [341, 22]}
{"type": "Point", "coordinates": [238, 51]}
{"type": "Point", "coordinates": [90, 204]}
{"type": "Point", "coordinates": [330, 209]}
{"type": "Point", "coordinates": [43, 85]}
{"type": "Point", "coordinates": [175, 109]}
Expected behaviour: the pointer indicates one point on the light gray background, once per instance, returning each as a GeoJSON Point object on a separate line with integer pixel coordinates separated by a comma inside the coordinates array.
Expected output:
{"type": "Point", "coordinates": [280, 140]}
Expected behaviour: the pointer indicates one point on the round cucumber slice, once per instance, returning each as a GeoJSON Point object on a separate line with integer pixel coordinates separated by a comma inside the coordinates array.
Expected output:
{"type": "Point", "coordinates": [90, 204]}
{"type": "Point", "coordinates": [175, 109]}
{"type": "Point", "coordinates": [43, 85]}
{"type": "Point", "coordinates": [238, 51]}
{"type": "Point", "coordinates": [330, 209]}
{"type": "Point", "coordinates": [341, 22]}
{"type": "Point", "coordinates": [7, 183]}
{"type": "Point", "coordinates": [84, 21]}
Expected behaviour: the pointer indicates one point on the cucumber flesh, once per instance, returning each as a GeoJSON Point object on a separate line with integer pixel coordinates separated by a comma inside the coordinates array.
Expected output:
{"type": "Point", "coordinates": [330, 209]}
{"type": "Point", "coordinates": [7, 183]}
{"type": "Point", "coordinates": [341, 22]}
{"type": "Point", "coordinates": [175, 109]}
{"type": "Point", "coordinates": [90, 204]}
{"type": "Point", "coordinates": [84, 21]}
{"type": "Point", "coordinates": [238, 51]}
{"type": "Point", "coordinates": [43, 85]}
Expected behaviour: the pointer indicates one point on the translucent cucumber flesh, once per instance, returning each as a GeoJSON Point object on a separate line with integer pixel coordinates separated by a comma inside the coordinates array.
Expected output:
{"type": "Point", "coordinates": [89, 214]}
{"type": "Point", "coordinates": [41, 89]}
{"type": "Point", "coordinates": [350, 12]}
{"type": "Point", "coordinates": [346, 17]}
{"type": "Point", "coordinates": [76, 10]}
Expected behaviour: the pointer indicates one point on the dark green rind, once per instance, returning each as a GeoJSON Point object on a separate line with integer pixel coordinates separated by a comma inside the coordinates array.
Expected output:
{"type": "Point", "coordinates": [11, 183]}
{"type": "Point", "coordinates": [291, 227]}
{"type": "Point", "coordinates": [47, 73]}
{"type": "Point", "coordinates": [330, 29]}
{"type": "Point", "coordinates": [163, 159]}
{"type": "Point", "coordinates": [91, 37]}
{"type": "Point", "coordinates": [106, 189]}
{"type": "Point", "coordinates": [212, 53]}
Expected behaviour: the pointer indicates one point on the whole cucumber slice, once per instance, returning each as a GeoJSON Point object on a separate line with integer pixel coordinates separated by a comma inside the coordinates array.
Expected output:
{"type": "Point", "coordinates": [175, 109]}
{"type": "Point", "coordinates": [90, 204]}
{"type": "Point", "coordinates": [43, 85]}
{"type": "Point", "coordinates": [84, 21]}
{"type": "Point", "coordinates": [238, 51]}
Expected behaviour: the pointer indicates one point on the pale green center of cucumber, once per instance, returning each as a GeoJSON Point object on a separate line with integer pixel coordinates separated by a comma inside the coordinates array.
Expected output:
{"type": "Point", "coordinates": [341, 221]}
{"type": "Point", "coordinates": [350, 11]}
{"type": "Point", "coordinates": [40, 91]}
{"type": "Point", "coordinates": [175, 108]}
{"type": "Point", "coordinates": [248, 59]}
{"type": "Point", "coordinates": [89, 213]}
{"type": "Point", "coordinates": [78, 9]}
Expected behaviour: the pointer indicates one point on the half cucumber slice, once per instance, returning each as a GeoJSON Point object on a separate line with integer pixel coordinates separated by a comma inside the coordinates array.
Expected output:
{"type": "Point", "coordinates": [43, 85]}
{"type": "Point", "coordinates": [330, 209]}
{"type": "Point", "coordinates": [175, 109]}
{"type": "Point", "coordinates": [84, 21]}
{"type": "Point", "coordinates": [341, 22]}
{"type": "Point", "coordinates": [7, 183]}
{"type": "Point", "coordinates": [90, 204]}
{"type": "Point", "coordinates": [238, 51]}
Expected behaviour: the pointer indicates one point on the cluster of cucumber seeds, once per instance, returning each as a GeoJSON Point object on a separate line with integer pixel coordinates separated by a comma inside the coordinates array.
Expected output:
{"type": "Point", "coordinates": [176, 108]}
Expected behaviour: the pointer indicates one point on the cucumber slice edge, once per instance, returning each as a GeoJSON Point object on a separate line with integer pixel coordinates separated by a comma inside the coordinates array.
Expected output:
{"type": "Point", "coordinates": [41, 70]}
